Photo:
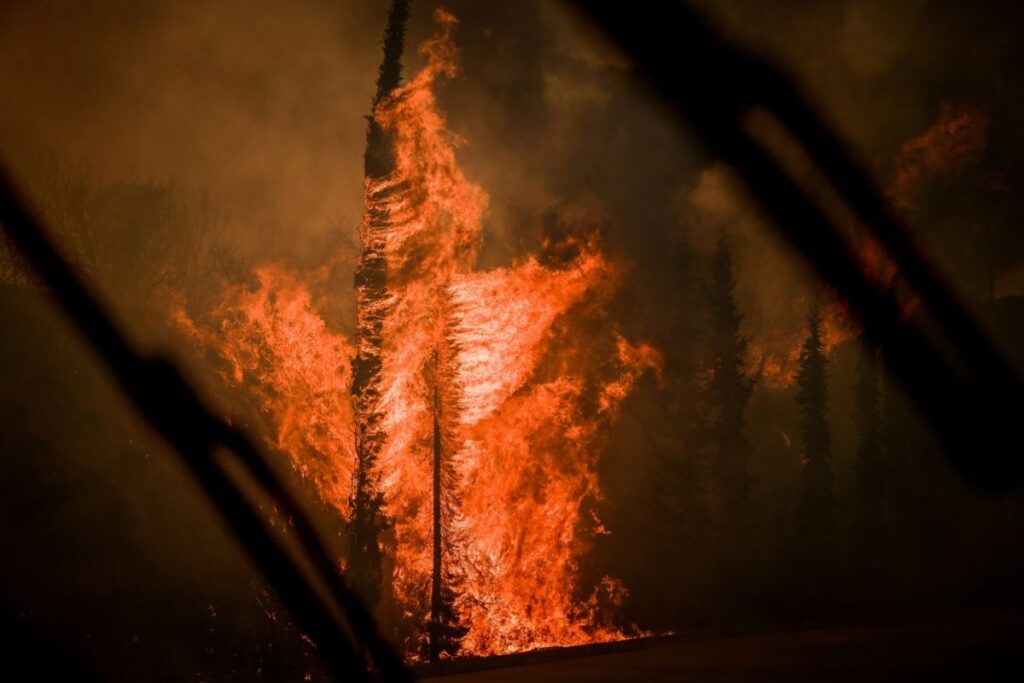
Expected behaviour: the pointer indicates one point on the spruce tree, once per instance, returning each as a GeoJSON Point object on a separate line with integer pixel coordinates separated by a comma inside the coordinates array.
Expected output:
{"type": "Point", "coordinates": [817, 507]}
{"type": "Point", "coordinates": [368, 520]}
{"type": "Point", "coordinates": [378, 161]}
{"type": "Point", "coordinates": [727, 393]}
{"type": "Point", "coordinates": [444, 632]}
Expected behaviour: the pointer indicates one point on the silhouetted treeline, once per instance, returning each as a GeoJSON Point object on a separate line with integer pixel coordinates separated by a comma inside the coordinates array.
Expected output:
{"type": "Point", "coordinates": [825, 497]}
{"type": "Point", "coordinates": [726, 393]}
{"type": "Point", "coordinates": [816, 511]}
{"type": "Point", "coordinates": [749, 502]}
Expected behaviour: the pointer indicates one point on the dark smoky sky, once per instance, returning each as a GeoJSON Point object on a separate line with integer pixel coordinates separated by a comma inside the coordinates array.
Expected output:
{"type": "Point", "coordinates": [262, 105]}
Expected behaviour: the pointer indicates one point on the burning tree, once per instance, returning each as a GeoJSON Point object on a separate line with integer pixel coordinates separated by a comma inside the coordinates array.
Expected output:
{"type": "Point", "coordinates": [478, 400]}
{"type": "Point", "coordinates": [386, 209]}
{"type": "Point", "coordinates": [368, 519]}
{"type": "Point", "coordinates": [869, 463]}
{"type": "Point", "coordinates": [445, 632]}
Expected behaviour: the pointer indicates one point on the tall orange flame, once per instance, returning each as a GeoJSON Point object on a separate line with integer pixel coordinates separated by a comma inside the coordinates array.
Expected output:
{"type": "Point", "coordinates": [529, 390]}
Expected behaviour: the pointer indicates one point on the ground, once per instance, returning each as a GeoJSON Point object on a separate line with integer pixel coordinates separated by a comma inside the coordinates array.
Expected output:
{"type": "Point", "coordinates": [979, 645]}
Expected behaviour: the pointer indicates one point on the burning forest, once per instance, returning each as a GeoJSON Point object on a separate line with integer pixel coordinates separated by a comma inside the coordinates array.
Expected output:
{"type": "Point", "coordinates": [460, 436]}
{"type": "Point", "coordinates": [505, 352]}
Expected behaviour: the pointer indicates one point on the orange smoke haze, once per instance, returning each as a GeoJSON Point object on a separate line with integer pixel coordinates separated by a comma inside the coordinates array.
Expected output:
{"type": "Point", "coordinates": [775, 289]}
{"type": "Point", "coordinates": [955, 140]}
{"type": "Point", "coordinates": [777, 353]}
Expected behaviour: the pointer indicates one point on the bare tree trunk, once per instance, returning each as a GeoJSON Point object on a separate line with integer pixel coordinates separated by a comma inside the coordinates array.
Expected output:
{"type": "Point", "coordinates": [435, 592]}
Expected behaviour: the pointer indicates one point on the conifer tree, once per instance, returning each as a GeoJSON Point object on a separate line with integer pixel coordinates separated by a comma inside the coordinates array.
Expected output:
{"type": "Point", "coordinates": [368, 519]}
{"type": "Point", "coordinates": [445, 632]}
{"type": "Point", "coordinates": [378, 161]}
{"type": "Point", "coordinates": [727, 393]}
{"type": "Point", "coordinates": [817, 506]}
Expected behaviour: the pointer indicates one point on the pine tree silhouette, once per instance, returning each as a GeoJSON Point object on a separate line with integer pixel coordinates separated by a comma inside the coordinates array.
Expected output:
{"type": "Point", "coordinates": [368, 519]}
{"type": "Point", "coordinates": [727, 394]}
{"type": "Point", "coordinates": [378, 161]}
{"type": "Point", "coordinates": [817, 508]}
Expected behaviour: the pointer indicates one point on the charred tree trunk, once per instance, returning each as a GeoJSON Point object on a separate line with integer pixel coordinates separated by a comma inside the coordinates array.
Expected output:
{"type": "Point", "coordinates": [368, 520]}
{"type": "Point", "coordinates": [444, 630]}
{"type": "Point", "coordinates": [378, 162]}
{"type": "Point", "coordinates": [436, 588]}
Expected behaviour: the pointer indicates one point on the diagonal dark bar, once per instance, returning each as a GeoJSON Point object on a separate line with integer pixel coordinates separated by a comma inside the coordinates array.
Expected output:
{"type": "Point", "coordinates": [865, 199]}
{"type": "Point", "coordinates": [173, 409]}
{"type": "Point", "coordinates": [973, 399]}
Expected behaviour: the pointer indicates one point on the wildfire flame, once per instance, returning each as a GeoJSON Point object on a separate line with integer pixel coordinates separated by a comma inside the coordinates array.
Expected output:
{"type": "Point", "coordinates": [529, 376]}
{"type": "Point", "coordinates": [776, 352]}
{"type": "Point", "coordinates": [956, 139]}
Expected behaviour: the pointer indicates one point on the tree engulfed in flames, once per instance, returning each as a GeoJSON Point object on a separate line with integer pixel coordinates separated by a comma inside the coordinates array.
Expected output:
{"type": "Point", "coordinates": [516, 364]}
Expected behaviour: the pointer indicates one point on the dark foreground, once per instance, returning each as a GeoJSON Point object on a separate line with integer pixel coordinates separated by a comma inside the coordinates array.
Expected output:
{"type": "Point", "coordinates": [975, 646]}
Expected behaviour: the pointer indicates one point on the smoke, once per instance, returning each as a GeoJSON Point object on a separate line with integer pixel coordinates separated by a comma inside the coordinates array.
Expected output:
{"type": "Point", "coordinates": [261, 107]}
{"type": "Point", "coordinates": [775, 288]}
{"type": "Point", "coordinates": [957, 139]}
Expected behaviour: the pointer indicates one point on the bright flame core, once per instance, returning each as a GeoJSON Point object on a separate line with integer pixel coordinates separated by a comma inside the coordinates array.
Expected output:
{"type": "Point", "coordinates": [529, 389]}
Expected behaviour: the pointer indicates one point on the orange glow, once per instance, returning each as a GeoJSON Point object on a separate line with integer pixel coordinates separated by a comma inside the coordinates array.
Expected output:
{"type": "Point", "coordinates": [276, 344]}
{"type": "Point", "coordinates": [529, 392]}
{"type": "Point", "coordinates": [957, 138]}
{"type": "Point", "coordinates": [777, 351]}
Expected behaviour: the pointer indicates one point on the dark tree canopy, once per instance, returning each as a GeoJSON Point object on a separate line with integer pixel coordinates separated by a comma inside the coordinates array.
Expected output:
{"type": "Point", "coordinates": [368, 519]}
{"type": "Point", "coordinates": [444, 629]}
{"type": "Point", "coordinates": [728, 391]}
{"type": "Point", "coordinates": [378, 160]}
{"type": "Point", "coordinates": [817, 508]}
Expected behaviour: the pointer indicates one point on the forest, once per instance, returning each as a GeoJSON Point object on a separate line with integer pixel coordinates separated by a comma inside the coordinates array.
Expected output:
{"type": "Point", "coordinates": [537, 365]}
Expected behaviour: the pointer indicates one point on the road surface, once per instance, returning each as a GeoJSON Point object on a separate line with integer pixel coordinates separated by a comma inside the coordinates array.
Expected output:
{"type": "Point", "coordinates": [977, 646]}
